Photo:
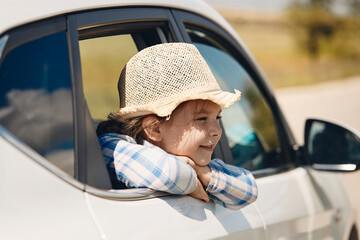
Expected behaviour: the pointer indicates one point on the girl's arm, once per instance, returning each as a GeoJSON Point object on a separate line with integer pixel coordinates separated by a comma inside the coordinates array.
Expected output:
{"type": "Point", "coordinates": [230, 186]}
{"type": "Point", "coordinates": [151, 167]}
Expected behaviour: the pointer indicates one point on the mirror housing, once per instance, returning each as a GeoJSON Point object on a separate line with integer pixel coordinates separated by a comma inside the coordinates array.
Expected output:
{"type": "Point", "coordinates": [331, 147]}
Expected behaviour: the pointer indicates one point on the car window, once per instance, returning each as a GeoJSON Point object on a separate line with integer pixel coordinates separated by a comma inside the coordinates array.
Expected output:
{"type": "Point", "coordinates": [249, 123]}
{"type": "Point", "coordinates": [103, 58]}
{"type": "Point", "coordinates": [101, 42]}
{"type": "Point", "coordinates": [36, 98]}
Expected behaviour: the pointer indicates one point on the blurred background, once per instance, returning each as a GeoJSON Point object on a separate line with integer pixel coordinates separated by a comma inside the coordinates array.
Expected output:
{"type": "Point", "coordinates": [317, 40]}
{"type": "Point", "coordinates": [310, 52]}
{"type": "Point", "coordinates": [309, 45]}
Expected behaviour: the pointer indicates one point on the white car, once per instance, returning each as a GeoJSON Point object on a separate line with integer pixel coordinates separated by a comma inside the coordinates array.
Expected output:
{"type": "Point", "coordinates": [59, 66]}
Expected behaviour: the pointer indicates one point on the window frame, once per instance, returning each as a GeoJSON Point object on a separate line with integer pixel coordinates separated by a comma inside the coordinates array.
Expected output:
{"type": "Point", "coordinates": [32, 31]}
{"type": "Point", "coordinates": [285, 137]}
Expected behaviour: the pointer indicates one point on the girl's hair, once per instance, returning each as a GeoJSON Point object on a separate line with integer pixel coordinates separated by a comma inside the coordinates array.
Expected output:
{"type": "Point", "coordinates": [131, 127]}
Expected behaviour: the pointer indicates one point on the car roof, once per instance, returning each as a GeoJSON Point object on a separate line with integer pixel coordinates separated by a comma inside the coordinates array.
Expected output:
{"type": "Point", "coordinates": [19, 12]}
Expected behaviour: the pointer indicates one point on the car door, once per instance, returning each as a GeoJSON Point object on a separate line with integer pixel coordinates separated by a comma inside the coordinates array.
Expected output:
{"type": "Point", "coordinates": [102, 42]}
{"type": "Point", "coordinates": [256, 133]}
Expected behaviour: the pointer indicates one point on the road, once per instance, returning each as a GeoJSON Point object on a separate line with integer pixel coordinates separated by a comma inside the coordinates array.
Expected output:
{"type": "Point", "coordinates": [338, 101]}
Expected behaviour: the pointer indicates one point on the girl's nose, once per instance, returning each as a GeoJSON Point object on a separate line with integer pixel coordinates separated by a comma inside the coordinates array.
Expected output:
{"type": "Point", "coordinates": [215, 130]}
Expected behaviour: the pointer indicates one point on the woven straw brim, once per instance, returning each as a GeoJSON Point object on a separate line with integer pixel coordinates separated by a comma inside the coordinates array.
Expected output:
{"type": "Point", "coordinates": [164, 108]}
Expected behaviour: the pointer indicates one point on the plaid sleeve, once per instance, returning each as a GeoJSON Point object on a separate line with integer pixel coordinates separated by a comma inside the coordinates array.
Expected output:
{"type": "Point", "coordinates": [230, 186]}
{"type": "Point", "coordinates": [147, 167]}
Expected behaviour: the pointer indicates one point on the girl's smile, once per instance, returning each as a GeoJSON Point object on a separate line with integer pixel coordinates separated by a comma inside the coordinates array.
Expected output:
{"type": "Point", "coordinates": [208, 147]}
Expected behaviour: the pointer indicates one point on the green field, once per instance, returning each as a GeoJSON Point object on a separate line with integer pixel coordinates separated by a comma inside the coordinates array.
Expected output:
{"type": "Point", "coordinates": [271, 40]}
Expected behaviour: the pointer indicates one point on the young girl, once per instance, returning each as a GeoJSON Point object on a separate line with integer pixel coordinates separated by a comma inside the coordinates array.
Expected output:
{"type": "Point", "coordinates": [167, 127]}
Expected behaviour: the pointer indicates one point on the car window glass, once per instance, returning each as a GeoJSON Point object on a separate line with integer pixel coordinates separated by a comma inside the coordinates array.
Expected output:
{"type": "Point", "coordinates": [248, 124]}
{"type": "Point", "coordinates": [36, 98]}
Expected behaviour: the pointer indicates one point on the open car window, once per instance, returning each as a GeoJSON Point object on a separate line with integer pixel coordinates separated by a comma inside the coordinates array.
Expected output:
{"type": "Point", "coordinates": [102, 47]}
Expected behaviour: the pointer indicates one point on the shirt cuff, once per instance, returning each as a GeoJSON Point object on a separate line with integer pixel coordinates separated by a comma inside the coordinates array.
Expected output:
{"type": "Point", "coordinates": [218, 181]}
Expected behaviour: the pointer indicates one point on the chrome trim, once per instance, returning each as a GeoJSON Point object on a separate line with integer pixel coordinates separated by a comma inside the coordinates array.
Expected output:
{"type": "Point", "coordinates": [335, 167]}
{"type": "Point", "coordinates": [3, 42]}
{"type": "Point", "coordinates": [132, 194]}
{"type": "Point", "coordinates": [39, 159]}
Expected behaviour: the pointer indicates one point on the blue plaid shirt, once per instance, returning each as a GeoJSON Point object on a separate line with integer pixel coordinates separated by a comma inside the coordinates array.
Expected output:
{"type": "Point", "coordinates": [148, 166]}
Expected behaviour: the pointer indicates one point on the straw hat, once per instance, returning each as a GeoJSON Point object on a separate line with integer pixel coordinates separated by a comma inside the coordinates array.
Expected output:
{"type": "Point", "coordinates": [159, 78]}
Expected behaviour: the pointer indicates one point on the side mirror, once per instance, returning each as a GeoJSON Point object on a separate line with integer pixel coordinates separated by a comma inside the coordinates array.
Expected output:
{"type": "Point", "coordinates": [330, 147]}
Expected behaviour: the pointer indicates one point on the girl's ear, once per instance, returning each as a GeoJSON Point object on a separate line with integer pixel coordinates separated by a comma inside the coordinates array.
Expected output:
{"type": "Point", "coordinates": [151, 126]}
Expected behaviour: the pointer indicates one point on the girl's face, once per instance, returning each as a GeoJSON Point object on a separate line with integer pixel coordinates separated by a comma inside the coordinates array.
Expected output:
{"type": "Point", "coordinates": [193, 131]}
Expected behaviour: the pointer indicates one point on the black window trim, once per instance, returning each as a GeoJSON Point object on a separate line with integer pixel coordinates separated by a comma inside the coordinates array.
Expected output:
{"type": "Point", "coordinates": [32, 31]}
{"type": "Point", "coordinates": [286, 139]}
{"type": "Point", "coordinates": [118, 28]}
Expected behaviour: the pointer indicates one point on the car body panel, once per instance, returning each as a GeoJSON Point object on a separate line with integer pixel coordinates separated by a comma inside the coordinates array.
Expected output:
{"type": "Point", "coordinates": [35, 203]}
{"type": "Point", "coordinates": [282, 203]}
{"type": "Point", "coordinates": [332, 214]}
{"type": "Point", "coordinates": [303, 204]}
{"type": "Point", "coordinates": [183, 216]}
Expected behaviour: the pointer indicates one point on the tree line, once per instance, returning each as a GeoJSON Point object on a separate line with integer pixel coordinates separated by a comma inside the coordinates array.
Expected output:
{"type": "Point", "coordinates": [321, 30]}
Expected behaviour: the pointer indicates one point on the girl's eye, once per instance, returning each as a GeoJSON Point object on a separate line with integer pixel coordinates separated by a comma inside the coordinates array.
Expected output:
{"type": "Point", "coordinates": [202, 119]}
{"type": "Point", "coordinates": [205, 118]}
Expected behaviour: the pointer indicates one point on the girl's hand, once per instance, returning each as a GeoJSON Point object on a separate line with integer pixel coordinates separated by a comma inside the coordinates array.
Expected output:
{"type": "Point", "coordinates": [190, 162]}
{"type": "Point", "coordinates": [203, 174]}
{"type": "Point", "coordinates": [200, 193]}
